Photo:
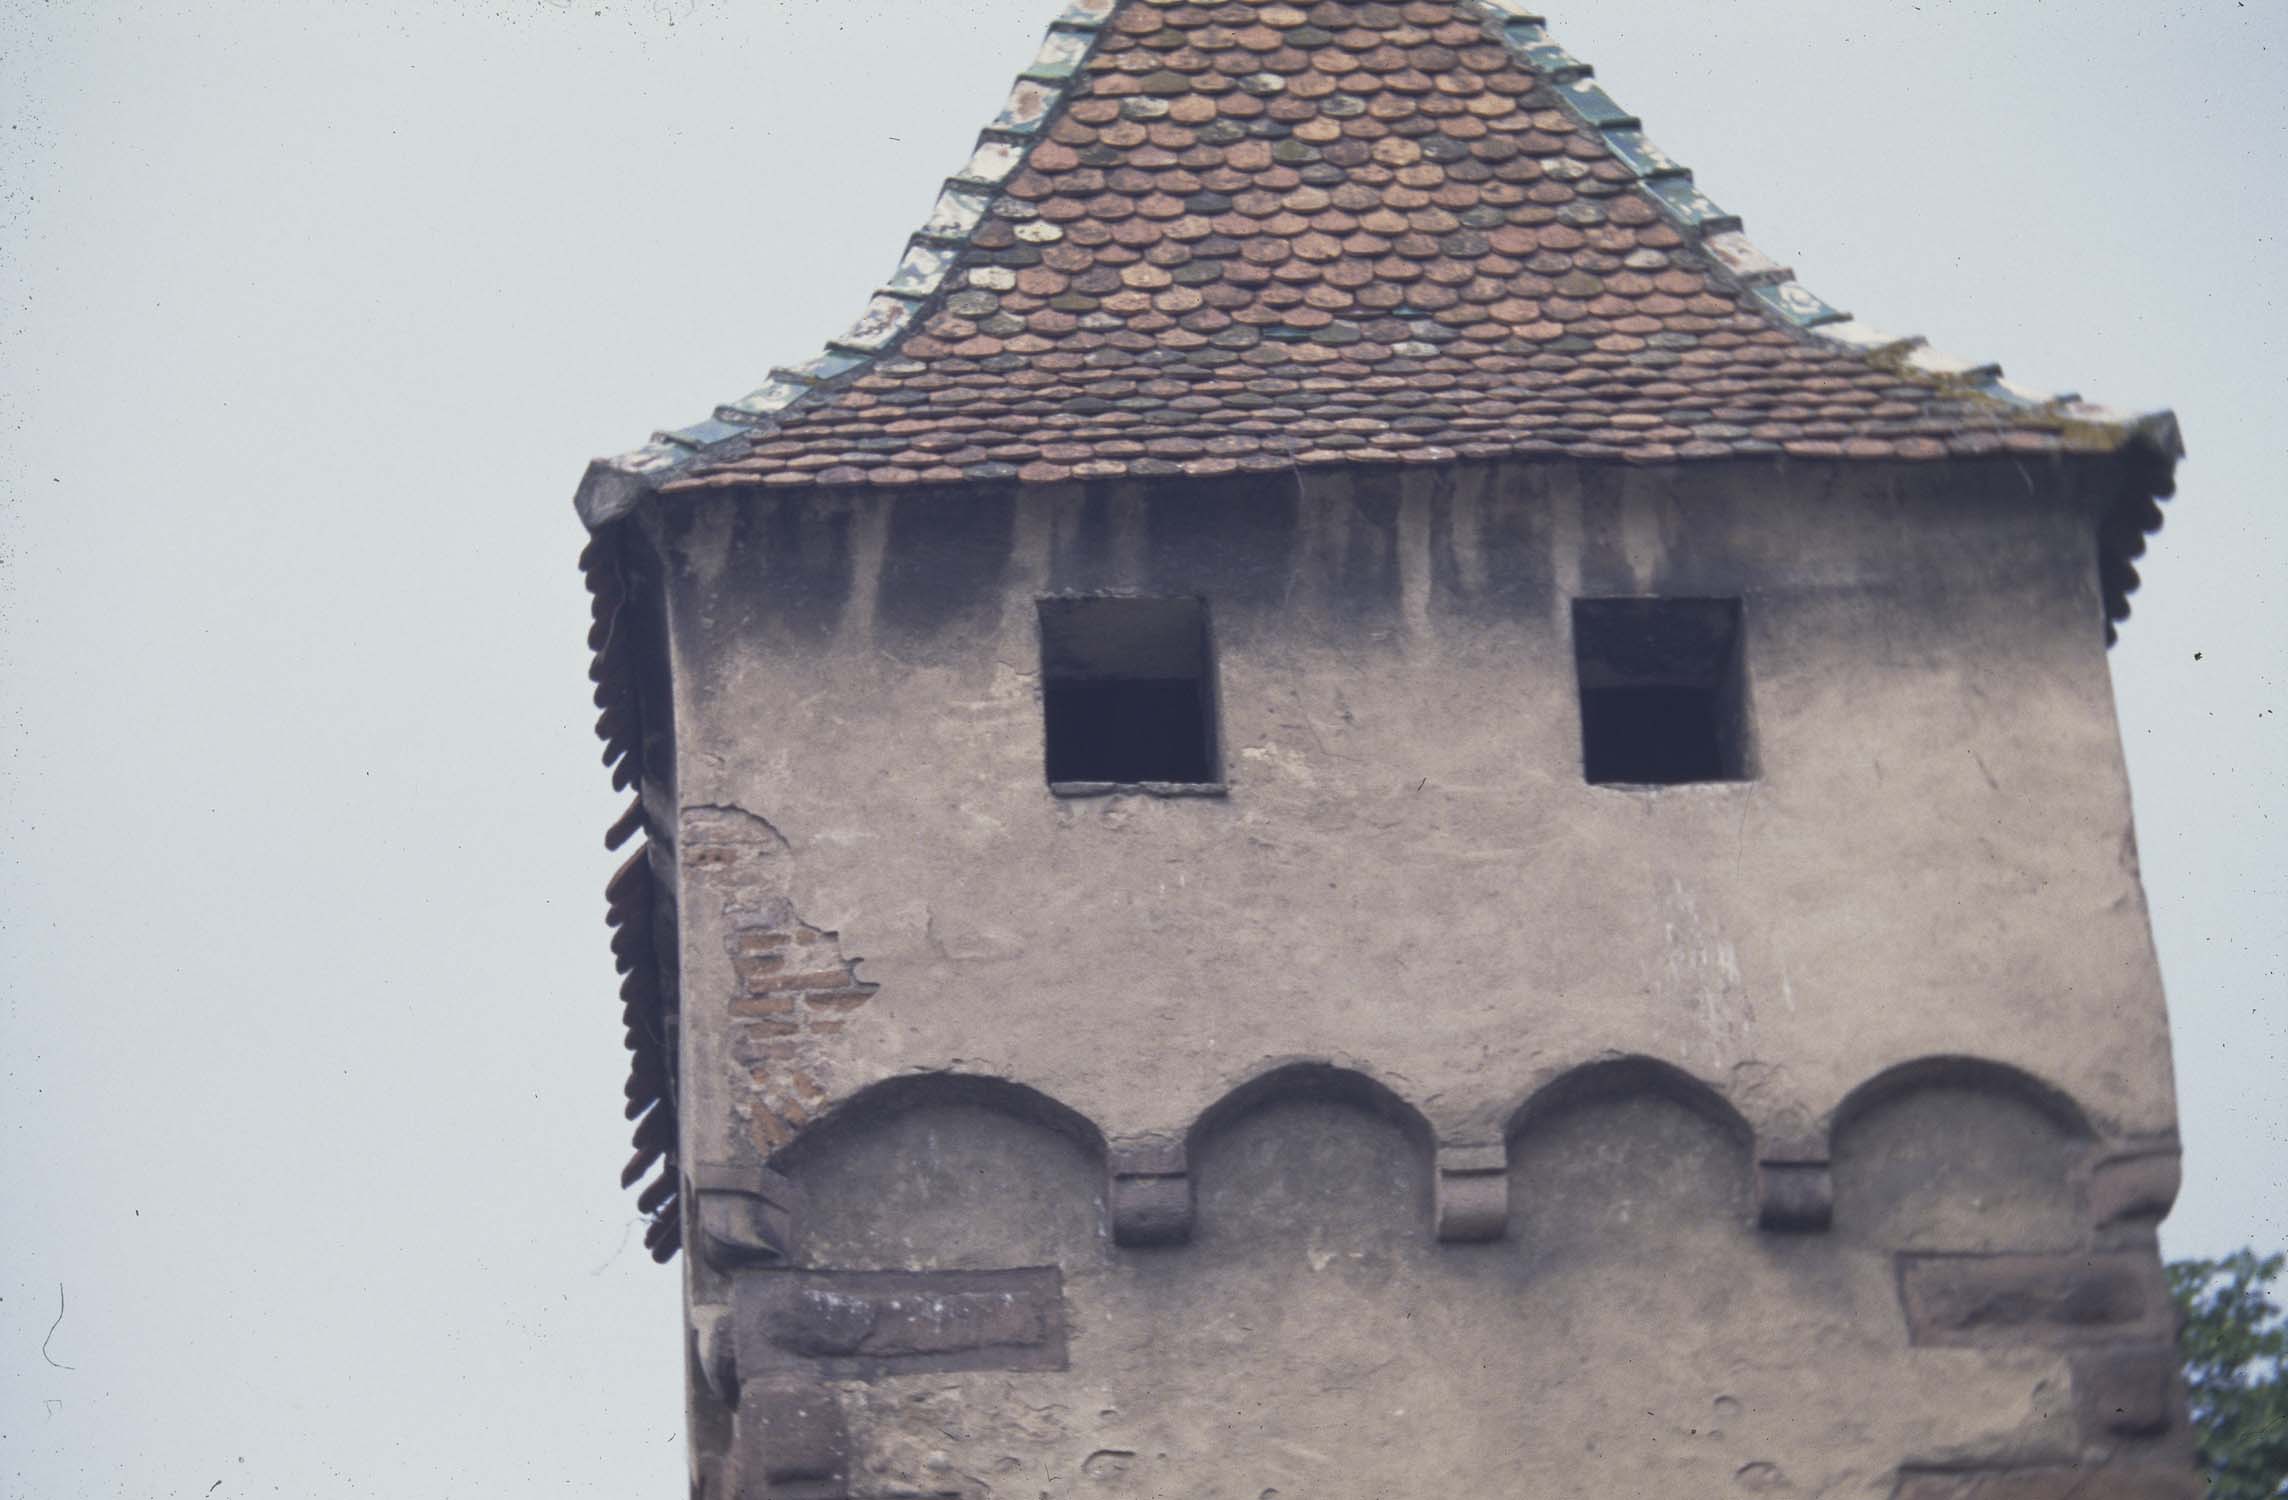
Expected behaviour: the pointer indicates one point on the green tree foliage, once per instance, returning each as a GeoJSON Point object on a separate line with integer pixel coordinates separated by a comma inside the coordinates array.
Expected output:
{"type": "Point", "coordinates": [2236, 1370]}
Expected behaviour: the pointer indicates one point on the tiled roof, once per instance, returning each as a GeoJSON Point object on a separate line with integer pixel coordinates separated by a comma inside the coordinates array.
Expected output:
{"type": "Point", "coordinates": [1209, 238]}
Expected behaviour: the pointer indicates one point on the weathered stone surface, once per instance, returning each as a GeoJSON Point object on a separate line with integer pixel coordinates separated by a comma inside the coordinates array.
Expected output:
{"type": "Point", "coordinates": [868, 1324]}
{"type": "Point", "coordinates": [2034, 1299]}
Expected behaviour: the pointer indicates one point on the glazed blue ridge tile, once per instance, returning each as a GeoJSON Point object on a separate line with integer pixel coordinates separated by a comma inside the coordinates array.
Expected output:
{"type": "Point", "coordinates": [769, 398]}
{"type": "Point", "coordinates": [956, 214]}
{"type": "Point", "coordinates": [1088, 13]}
{"type": "Point", "coordinates": [1595, 106]}
{"type": "Point", "coordinates": [1029, 104]}
{"type": "Point", "coordinates": [823, 367]}
{"type": "Point", "coordinates": [1518, 9]}
{"type": "Point", "coordinates": [1797, 304]}
{"type": "Point", "coordinates": [1543, 52]}
{"type": "Point", "coordinates": [1641, 156]}
{"type": "Point", "coordinates": [884, 319]}
{"type": "Point", "coordinates": [922, 269]}
{"type": "Point", "coordinates": [992, 161]}
{"type": "Point", "coordinates": [1736, 253]}
{"type": "Point", "coordinates": [1060, 56]}
{"type": "Point", "coordinates": [700, 434]}
{"type": "Point", "coordinates": [651, 458]}
{"type": "Point", "coordinates": [1690, 207]}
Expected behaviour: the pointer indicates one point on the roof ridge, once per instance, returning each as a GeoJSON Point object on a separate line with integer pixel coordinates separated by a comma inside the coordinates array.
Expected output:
{"type": "Point", "coordinates": [613, 485]}
{"type": "Point", "coordinates": [1772, 285]}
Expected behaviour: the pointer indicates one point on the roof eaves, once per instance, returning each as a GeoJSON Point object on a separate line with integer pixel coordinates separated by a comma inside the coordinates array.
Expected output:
{"type": "Point", "coordinates": [2082, 426]}
{"type": "Point", "coordinates": [614, 486]}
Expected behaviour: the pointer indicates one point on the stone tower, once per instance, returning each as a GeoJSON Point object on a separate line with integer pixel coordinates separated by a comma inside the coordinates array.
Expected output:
{"type": "Point", "coordinates": [1349, 809]}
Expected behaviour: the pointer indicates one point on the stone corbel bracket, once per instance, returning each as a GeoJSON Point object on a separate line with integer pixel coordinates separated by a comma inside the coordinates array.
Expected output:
{"type": "Point", "coordinates": [1795, 1185]}
{"type": "Point", "coordinates": [2132, 1186]}
{"type": "Point", "coordinates": [791, 1442]}
{"type": "Point", "coordinates": [1151, 1193]}
{"type": "Point", "coordinates": [747, 1215]}
{"type": "Point", "coordinates": [714, 1350]}
{"type": "Point", "coordinates": [1473, 1193]}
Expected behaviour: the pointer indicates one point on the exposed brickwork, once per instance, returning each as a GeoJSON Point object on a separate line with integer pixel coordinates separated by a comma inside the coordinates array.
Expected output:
{"type": "Point", "coordinates": [792, 985]}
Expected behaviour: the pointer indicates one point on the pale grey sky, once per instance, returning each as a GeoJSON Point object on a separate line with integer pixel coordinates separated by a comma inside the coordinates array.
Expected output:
{"type": "Point", "coordinates": [313, 313]}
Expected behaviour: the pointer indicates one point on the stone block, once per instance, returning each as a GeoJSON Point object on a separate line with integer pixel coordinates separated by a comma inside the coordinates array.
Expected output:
{"type": "Point", "coordinates": [862, 1325]}
{"type": "Point", "coordinates": [746, 1215]}
{"type": "Point", "coordinates": [2043, 1300]}
{"type": "Point", "coordinates": [2127, 1392]}
{"type": "Point", "coordinates": [790, 1437]}
{"type": "Point", "coordinates": [2133, 1187]}
{"type": "Point", "coordinates": [1151, 1194]}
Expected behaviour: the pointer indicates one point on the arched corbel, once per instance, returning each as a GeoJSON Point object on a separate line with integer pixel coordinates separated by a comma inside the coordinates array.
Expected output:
{"type": "Point", "coordinates": [747, 1215]}
{"type": "Point", "coordinates": [1473, 1192]}
{"type": "Point", "coordinates": [1151, 1193]}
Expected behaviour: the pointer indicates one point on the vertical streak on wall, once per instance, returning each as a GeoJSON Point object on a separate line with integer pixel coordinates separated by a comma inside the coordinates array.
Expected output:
{"type": "Point", "coordinates": [1561, 492]}
{"type": "Point", "coordinates": [1466, 495]}
{"type": "Point", "coordinates": [869, 545]}
{"type": "Point", "coordinates": [1414, 556]}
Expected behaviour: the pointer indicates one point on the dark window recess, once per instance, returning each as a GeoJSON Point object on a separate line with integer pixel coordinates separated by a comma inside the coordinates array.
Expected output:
{"type": "Point", "coordinates": [1128, 690]}
{"type": "Point", "coordinates": [1663, 696]}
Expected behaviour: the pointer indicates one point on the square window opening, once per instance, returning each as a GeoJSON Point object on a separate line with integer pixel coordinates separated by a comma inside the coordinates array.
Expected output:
{"type": "Point", "coordinates": [1128, 691]}
{"type": "Point", "coordinates": [1663, 691]}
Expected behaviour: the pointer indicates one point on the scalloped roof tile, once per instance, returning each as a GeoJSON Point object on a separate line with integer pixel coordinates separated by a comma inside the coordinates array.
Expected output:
{"type": "Point", "coordinates": [1203, 239]}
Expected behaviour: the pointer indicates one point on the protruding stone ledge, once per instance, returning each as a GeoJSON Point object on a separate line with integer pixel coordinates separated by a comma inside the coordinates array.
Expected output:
{"type": "Point", "coordinates": [1150, 1194]}
{"type": "Point", "coordinates": [1473, 1193]}
{"type": "Point", "coordinates": [2109, 1482]}
{"type": "Point", "coordinates": [2048, 1301]}
{"type": "Point", "coordinates": [790, 1442]}
{"type": "Point", "coordinates": [747, 1215]}
{"type": "Point", "coordinates": [862, 1325]}
{"type": "Point", "coordinates": [1795, 1185]}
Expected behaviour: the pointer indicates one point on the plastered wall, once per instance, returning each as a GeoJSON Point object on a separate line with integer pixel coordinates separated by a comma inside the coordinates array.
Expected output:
{"type": "Point", "coordinates": [1415, 1118]}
